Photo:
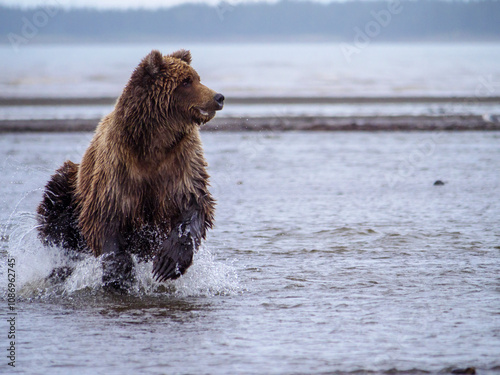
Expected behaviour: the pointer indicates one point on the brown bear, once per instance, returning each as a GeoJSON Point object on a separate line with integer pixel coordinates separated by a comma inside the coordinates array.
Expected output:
{"type": "Point", "coordinates": [142, 185]}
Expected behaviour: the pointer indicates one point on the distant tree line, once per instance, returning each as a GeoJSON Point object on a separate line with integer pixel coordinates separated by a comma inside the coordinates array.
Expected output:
{"type": "Point", "coordinates": [287, 20]}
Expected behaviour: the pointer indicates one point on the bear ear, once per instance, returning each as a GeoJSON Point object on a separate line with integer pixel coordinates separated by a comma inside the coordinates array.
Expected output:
{"type": "Point", "coordinates": [182, 54]}
{"type": "Point", "coordinates": [154, 62]}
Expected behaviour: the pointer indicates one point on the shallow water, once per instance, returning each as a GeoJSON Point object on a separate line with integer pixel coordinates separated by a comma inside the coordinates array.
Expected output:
{"type": "Point", "coordinates": [333, 253]}
{"type": "Point", "coordinates": [464, 108]}
{"type": "Point", "coordinates": [259, 69]}
{"type": "Point", "coordinates": [256, 70]}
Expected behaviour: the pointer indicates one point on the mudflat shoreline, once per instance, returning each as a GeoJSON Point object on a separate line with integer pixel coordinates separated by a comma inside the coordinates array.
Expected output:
{"type": "Point", "coordinates": [300, 123]}
{"type": "Point", "coordinates": [251, 100]}
{"type": "Point", "coordinates": [438, 122]}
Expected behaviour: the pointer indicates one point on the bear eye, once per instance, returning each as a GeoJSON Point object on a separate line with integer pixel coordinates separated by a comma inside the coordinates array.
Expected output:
{"type": "Point", "coordinates": [186, 82]}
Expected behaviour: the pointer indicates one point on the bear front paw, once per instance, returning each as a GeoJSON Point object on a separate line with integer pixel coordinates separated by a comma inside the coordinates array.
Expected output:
{"type": "Point", "coordinates": [174, 258]}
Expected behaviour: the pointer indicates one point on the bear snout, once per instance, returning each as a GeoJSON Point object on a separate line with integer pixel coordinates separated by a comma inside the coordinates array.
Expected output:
{"type": "Point", "coordinates": [219, 98]}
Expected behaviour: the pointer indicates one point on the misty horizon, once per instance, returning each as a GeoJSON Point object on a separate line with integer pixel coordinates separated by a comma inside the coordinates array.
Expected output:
{"type": "Point", "coordinates": [357, 21]}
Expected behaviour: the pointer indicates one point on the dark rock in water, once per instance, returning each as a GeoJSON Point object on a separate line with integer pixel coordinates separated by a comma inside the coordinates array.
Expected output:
{"type": "Point", "coordinates": [468, 371]}
{"type": "Point", "coordinates": [438, 183]}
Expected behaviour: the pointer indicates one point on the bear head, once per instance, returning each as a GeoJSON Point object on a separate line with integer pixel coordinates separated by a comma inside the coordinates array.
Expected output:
{"type": "Point", "coordinates": [167, 90]}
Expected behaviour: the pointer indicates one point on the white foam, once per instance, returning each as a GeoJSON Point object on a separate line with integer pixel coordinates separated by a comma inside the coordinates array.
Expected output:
{"type": "Point", "coordinates": [86, 275]}
{"type": "Point", "coordinates": [34, 262]}
{"type": "Point", "coordinates": [207, 276]}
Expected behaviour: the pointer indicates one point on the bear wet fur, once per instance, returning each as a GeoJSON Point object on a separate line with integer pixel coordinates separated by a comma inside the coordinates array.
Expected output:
{"type": "Point", "coordinates": [142, 186]}
{"type": "Point", "coordinates": [56, 213]}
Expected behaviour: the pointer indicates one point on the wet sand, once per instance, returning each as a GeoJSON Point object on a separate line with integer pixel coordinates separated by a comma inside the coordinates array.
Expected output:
{"type": "Point", "coordinates": [301, 123]}
{"type": "Point", "coordinates": [279, 123]}
{"type": "Point", "coordinates": [57, 101]}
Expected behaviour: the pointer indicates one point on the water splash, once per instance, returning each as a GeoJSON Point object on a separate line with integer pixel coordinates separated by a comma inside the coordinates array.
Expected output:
{"type": "Point", "coordinates": [35, 262]}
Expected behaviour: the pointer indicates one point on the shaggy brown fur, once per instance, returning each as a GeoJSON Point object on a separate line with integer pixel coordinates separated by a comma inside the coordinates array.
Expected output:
{"type": "Point", "coordinates": [142, 185]}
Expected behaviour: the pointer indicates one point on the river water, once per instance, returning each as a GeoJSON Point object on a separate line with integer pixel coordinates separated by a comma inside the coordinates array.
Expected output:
{"type": "Point", "coordinates": [333, 253]}
{"type": "Point", "coordinates": [260, 69]}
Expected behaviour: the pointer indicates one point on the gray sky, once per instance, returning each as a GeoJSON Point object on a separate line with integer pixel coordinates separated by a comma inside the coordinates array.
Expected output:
{"type": "Point", "coordinates": [120, 4]}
